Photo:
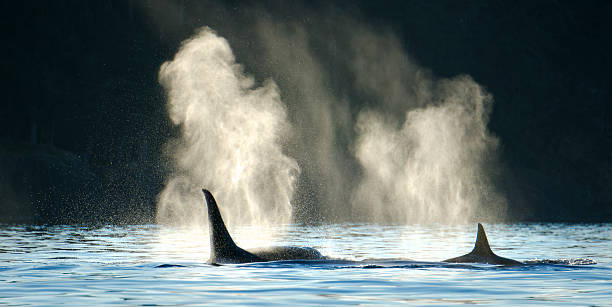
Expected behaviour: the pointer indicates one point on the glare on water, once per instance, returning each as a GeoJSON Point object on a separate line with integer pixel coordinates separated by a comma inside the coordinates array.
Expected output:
{"type": "Point", "coordinates": [159, 265]}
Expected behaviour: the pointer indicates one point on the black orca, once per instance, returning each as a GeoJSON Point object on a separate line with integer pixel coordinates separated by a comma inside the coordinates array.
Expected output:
{"type": "Point", "coordinates": [482, 252]}
{"type": "Point", "coordinates": [224, 250]}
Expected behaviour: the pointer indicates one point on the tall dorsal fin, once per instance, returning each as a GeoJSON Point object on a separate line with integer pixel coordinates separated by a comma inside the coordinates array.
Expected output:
{"type": "Point", "coordinates": [219, 236]}
{"type": "Point", "coordinates": [222, 246]}
{"type": "Point", "coordinates": [482, 246]}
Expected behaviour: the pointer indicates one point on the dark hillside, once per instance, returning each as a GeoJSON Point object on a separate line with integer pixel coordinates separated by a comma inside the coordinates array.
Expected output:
{"type": "Point", "coordinates": [82, 106]}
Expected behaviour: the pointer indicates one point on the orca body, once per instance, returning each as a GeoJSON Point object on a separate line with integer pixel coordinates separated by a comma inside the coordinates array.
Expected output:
{"type": "Point", "coordinates": [482, 252]}
{"type": "Point", "coordinates": [224, 250]}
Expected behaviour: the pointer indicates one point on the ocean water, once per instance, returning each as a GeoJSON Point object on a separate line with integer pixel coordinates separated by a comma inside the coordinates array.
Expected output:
{"type": "Point", "coordinates": [151, 265]}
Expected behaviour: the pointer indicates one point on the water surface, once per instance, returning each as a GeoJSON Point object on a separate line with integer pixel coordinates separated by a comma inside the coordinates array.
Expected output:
{"type": "Point", "coordinates": [157, 266]}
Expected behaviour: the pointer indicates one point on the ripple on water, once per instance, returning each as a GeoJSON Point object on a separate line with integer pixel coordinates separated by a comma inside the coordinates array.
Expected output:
{"type": "Point", "coordinates": [152, 265]}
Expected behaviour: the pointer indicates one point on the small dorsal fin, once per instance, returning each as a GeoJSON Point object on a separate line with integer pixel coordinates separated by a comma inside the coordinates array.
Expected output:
{"type": "Point", "coordinates": [482, 252]}
{"type": "Point", "coordinates": [482, 246]}
{"type": "Point", "coordinates": [222, 246]}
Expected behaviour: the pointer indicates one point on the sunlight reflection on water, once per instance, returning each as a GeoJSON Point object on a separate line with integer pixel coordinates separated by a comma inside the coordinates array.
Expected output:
{"type": "Point", "coordinates": [150, 264]}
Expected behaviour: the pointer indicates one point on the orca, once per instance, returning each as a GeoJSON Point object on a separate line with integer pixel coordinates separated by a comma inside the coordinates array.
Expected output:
{"type": "Point", "coordinates": [482, 252]}
{"type": "Point", "coordinates": [223, 250]}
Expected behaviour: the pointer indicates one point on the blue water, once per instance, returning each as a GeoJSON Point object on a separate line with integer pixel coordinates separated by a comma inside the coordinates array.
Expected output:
{"type": "Point", "coordinates": [150, 265]}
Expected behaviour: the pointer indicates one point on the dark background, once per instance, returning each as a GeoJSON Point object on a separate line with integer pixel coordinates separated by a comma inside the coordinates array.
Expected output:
{"type": "Point", "coordinates": [83, 119]}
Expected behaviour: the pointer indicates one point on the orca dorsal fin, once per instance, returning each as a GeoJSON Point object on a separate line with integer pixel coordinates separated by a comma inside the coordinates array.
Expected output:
{"type": "Point", "coordinates": [482, 252]}
{"type": "Point", "coordinates": [222, 246]}
{"type": "Point", "coordinates": [482, 246]}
